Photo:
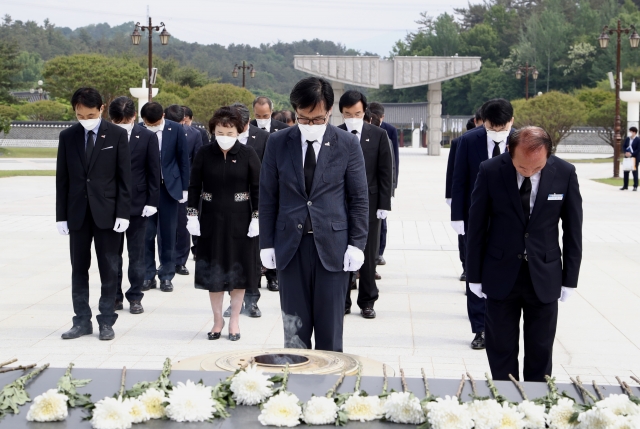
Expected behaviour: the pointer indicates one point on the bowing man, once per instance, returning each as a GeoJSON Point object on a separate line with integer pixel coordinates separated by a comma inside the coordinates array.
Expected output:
{"type": "Point", "coordinates": [263, 110]}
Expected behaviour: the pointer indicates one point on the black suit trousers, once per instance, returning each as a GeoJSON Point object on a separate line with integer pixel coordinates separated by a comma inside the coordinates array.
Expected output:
{"type": "Point", "coordinates": [183, 238]}
{"type": "Point", "coordinates": [251, 295]}
{"type": "Point", "coordinates": [503, 331]}
{"type": "Point", "coordinates": [312, 300]}
{"type": "Point", "coordinates": [163, 225]}
{"type": "Point", "coordinates": [475, 306]}
{"type": "Point", "coordinates": [107, 245]}
{"type": "Point", "coordinates": [462, 249]}
{"type": "Point", "coordinates": [383, 237]}
{"type": "Point", "coordinates": [625, 180]}
{"type": "Point", "coordinates": [135, 236]}
{"type": "Point", "coordinates": [367, 288]}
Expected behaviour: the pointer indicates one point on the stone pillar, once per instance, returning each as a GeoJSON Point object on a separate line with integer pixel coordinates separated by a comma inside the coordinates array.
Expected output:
{"type": "Point", "coordinates": [338, 90]}
{"type": "Point", "coordinates": [434, 121]}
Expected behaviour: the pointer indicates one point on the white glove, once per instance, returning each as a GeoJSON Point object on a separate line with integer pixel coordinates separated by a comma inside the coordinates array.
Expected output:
{"type": "Point", "coordinates": [448, 200]}
{"type": "Point", "coordinates": [268, 258]}
{"type": "Point", "coordinates": [566, 293]}
{"type": "Point", "coordinates": [254, 228]}
{"type": "Point", "coordinates": [185, 197]}
{"type": "Point", "coordinates": [193, 225]}
{"type": "Point", "coordinates": [149, 211]}
{"type": "Point", "coordinates": [121, 225]}
{"type": "Point", "coordinates": [393, 202]}
{"type": "Point", "coordinates": [476, 288]}
{"type": "Point", "coordinates": [458, 226]}
{"type": "Point", "coordinates": [63, 229]}
{"type": "Point", "coordinates": [353, 259]}
{"type": "Point", "coordinates": [382, 214]}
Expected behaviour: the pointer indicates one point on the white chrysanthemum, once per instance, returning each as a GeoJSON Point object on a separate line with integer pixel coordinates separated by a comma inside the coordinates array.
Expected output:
{"type": "Point", "coordinates": [111, 413]}
{"type": "Point", "coordinates": [190, 402]}
{"type": "Point", "coordinates": [363, 408]}
{"type": "Point", "coordinates": [320, 410]}
{"type": "Point", "coordinates": [282, 410]}
{"type": "Point", "coordinates": [560, 414]}
{"type": "Point", "coordinates": [153, 400]}
{"type": "Point", "coordinates": [511, 417]}
{"type": "Point", "coordinates": [138, 410]}
{"type": "Point", "coordinates": [51, 406]}
{"type": "Point", "coordinates": [449, 413]}
{"type": "Point", "coordinates": [403, 407]}
{"type": "Point", "coordinates": [620, 405]}
{"type": "Point", "coordinates": [599, 418]}
{"type": "Point", "coordinates": [535, 416]}
{"type": "Point", "coordinates": [486, 414]}
{"type": "Point", "coordinates": [251, 386]}
{"type": "Point", "coordinates": [632, 422]}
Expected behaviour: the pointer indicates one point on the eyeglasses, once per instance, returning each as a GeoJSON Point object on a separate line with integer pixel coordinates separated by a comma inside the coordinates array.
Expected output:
{"type": "Point", "coordinates": [314, 121]}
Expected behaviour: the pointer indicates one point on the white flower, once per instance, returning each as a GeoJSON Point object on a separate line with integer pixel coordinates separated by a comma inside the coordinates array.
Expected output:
{"type": "Point", "coordinates": [152, 399]}
{"type": "Point", "coordinates": [560, 414]}
{"type": "Point", "coordinates": [632, 422]}
{"type": "Point", "coordinates": [138, 410]}
{"type": "Point", "coordinates": [111, 413]}
{"type": "Point", "coordinates": [534, 415]}
{"type": "Point", "coordinates": [599, 418]}
{"type": "Point", "coordinates": [449, 413]}
{"type": "Point", "coordinates": [486, 414]}
{"type": "Point", "coordinates": [403, 407]}
{"type": "Point", "coordinates": [190, 402]}
{"type": "Point", "coordinates": [281, 410]}
{"type": "Point", "coordinates": [363, 408]}
{"type": "Point", "coordinates": [251, 386]}
{"type": "Point", "coordinates": [51, 406]}
{"type": "Point", "coordinates": [320, 410]}
{"type": "Point", "coordinates": [511, 417]}
{"type": "Point", "coordinates": [620, 405]}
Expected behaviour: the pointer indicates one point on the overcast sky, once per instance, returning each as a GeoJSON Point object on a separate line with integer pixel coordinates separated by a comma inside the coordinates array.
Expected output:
{"type": "Point", "coordinates": [367, 25]}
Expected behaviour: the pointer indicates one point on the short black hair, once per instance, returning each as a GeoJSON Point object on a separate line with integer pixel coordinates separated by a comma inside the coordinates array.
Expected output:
{"type": "Point", "coordinates": [88, 97]}
{"type": "Point", "coordinates": [532, 139]}
{"type": "Point", "coordinates": [174, 113]}
{"type": "Point", "coordinates": [633, 129]}
{"type": "Point", "coordinates": [244, 112]}
{"type": "Point", "coordinates": [471, 124]}
{"type": "Point", "coordinates": [310, 92]}
{"type": "Point", "coordinates": [188, 112]}
{"type": "Point", "coordinates": [151, 112]}
{"type": "Point", "coordinates": [497, 111]}
{"type": "Point", "coordinates": [226, 116]}
{"type": "Point", "coordinates": [478, 116]}
{"type": "Point", "coordinates": [279, 116]}
{"type": "Point", "coordinates": [351, 98]}
{"type": "Point", "coordinates": [376, 108]}
{"type": "Point", "coordinates": [121, 109]}
{"type": "Point", "coordinates": [375, 119]}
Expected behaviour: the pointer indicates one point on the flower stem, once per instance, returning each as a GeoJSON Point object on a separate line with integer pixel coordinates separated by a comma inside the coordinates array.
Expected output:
{"type": "Point", "coordinates": [624, 386]}
{"type": "Point", "coordinates": [519, 386]}
{"type": "Point", "coordinates": [474, 389]}
{"type": "Point", "coordinates": [551, 382]}
{"type": "Point", "coordinates": [403, 380]}
{"type": "Point", "coordinates": [8, 362]}
{"type": "Point", "coordinates": [358, 378]}
{"type": "Point", "coordinates": [122, 381]}
{"type": "Point", "coordinates": [584, 392]}
{"type": "Point", "coordinates": [385, 383]}
{"type": "Point", "coordinates": [35, 372]}
{"type": "Point", "coordinates": [426, 383]}
{"type": "Point", "coordinates": [636, 379]}
{"type": "Point", "coordinates": [17, 368]}
{"type": "Point", "coordinates": [597, 389]}
{"type": "Point", "coordinates": [285, 379]}
{"type": "Point", "coordinates": [332, 391]}
{"type": "Point", "coordinates": [459, 393]}
{"type": "Point", "coordinates": [67, 373]}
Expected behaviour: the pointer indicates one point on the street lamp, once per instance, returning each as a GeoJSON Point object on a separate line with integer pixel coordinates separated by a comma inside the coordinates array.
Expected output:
{"type": "Point", "coordinates": [244, 67]}
{"type": "Point", "coordinates": [603, 40]}
{"type": "Point", "coordinates": [164, 39]}
{"type": "Point", "coordinates": [526, 69]}
{"type": "Point", "coordinates": [40, 90]}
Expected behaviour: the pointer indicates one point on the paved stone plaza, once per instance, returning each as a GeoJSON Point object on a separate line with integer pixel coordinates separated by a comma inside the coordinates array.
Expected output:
{"type": "Point", "coordinates": [421, 319]}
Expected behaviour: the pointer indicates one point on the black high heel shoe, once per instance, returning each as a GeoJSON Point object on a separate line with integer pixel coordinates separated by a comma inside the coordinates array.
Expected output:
{"type": "Point", "coordinates": [234, 337]}
{"type": "Point", "coordinates": [215, 335]}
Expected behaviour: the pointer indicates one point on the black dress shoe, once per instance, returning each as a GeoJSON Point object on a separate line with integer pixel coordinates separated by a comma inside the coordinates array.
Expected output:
{"type": "Point", "coordinates": [77, 331]}
{"type": "Point", "coordinates": [635, 189]}
{"type": "Point", "coordinates": [252, 310]}
{"type": "Point", "coordinates": [182, 270]}
{"type": "Point", "coordinates": [215, 335]}
{"type": "Point", "coordinates": [149, 284]}
{"type": "Point", "coordinates": [119, 306]}
{"type": "Point", "coordinates": [378, 276]}
{"type": "Point", "coordinates": [273, 285]}
{"type": "Point", "coordinates": [478, 341]}
{"type": "Point", "coordinates": [381, 261]}
{"type": "Point", "coordinates": [347, 310]}
{"type": "Point", "coordinates": [166, 286]}
{"type": "Point", "coordinates": [623, 188]}
{"type": "Point", "coordinates": [106, 333]}
{"type": "Point", "coordinates": [234, 337]}
{"type": "Point", "coordinates": [463, 276]}
{"type": "Point", "coordinates": [135, 307]}
{"type": "Point", "coordinates": [368, 313]}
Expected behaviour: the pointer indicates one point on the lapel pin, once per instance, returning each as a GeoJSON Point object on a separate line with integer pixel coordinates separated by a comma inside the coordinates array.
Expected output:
{"type": "Point", "coordinates": [367, 140]}
{"type": "Point", "coordinates": [253, 137]}
{"type": "Point", "coordinates": [327, 144]}
{"type": "Point", "coordinates": [103, 136]}
{"type": "Point", "coordinates": [169, 129]}
{"type": "Point", "coordinates": [137, 137]}
{"type": "Point", "coordinates": [233, 160]}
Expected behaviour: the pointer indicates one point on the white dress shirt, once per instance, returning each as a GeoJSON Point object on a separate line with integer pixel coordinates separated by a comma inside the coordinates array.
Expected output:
{"type": "Point", "coordinates": [358, 131]}
{"type": "Point", "coordinates": [243, 138]}
{"type": "Point", "coordinates": [316, 149]}
{"type": "Point", "coordinates": [491, 145]}
{"type": "Point", "coordinates": [535, 182]}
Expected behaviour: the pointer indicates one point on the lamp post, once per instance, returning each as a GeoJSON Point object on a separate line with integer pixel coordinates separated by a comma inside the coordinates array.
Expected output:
{"type": "Point", "coordinates": [40, 90]}
{"type": "Point", "coordinates": [164, 39]}
{"type": "Point", "coordinates": [244, 68]}
{"type": "Point", "coordinates": [526, 69]}
{"type": "Point", "coordinates": [603, 40]}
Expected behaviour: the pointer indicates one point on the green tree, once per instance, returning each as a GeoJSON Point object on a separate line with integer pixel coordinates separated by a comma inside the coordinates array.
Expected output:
{"type": "Point", "coordinates": [481, 41]}
{"type": "Point", "coordinates": [206, 100]}
{"type": "Point", "coordinates": [31, 66]}
{"type": "Point", "coordinates": [490, 83]}
{"type": "Point", "coordinates": [9, 66]}
{"type": "Point", "coordinates": [44, 110]}
{"type": "Point", "coordinates": [167, 99]}
{"type": "Point", "coordinates": [7, 115]}
{"type": "Point", "coordinates": [600, 106]}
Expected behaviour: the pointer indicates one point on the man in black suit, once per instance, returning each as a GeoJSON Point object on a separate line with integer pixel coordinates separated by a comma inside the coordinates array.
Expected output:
{"type": "Point", "coordinates": [174, 182]}
{"type": "Point", "coordinates": [188, 120]}
{"type": "Point", "coordinates": [262, 110]}
{"type": "Point", "coordinates": [462, 239]}
{"type": "Point", "coordinates": [176, 113]}
{"type": "Point", "coordinates": [631, 148]}
{"type": "Point", "coordinates": [378, 160]}
{"type": "Point", "coordinates": [93, 199]}
{"type": "Point", "coordinates": [474, 147]}
{"type": "Point", "coordinates": [314, 214]}
{"type": "Point", "coordinates": [145, 193]}
{"type": "Point", "coordinates": [513, 257]}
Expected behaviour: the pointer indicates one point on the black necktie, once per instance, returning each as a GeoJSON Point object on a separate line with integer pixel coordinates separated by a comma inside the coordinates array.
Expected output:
{"type": "Point", "coordinates": [309, 166]}
{"type": "Point", "coordinates": [90, 145]}
{"type": "Point", "coordinates": [263, 128]}
{"type": "Point", "coordinates": [354, 132]}
{"type": "Point", "coordinates": [496, 149]}
{"type": "Point", "coordinates": [525, 197]}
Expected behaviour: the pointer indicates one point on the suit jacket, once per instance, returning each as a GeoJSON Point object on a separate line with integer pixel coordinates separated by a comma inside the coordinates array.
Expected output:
{"type": "Point", "coordinates": [194, 142]}
{"type": "Point", "coordinates": [145, 169]}
{"type": "Point", "coordinates": [450, 165]}
{"type": "Point", "coordinates": [338, 202]}
{"type": "Point", "coordinates": [378, 163]}
{"type": "Point", "coordinates": [275, 125]}
{"type": "Point", "coordinates": [470, 152]}
{"type": "Point", "coordinates": [104, 183]}
{"type": "Point", "coordinates": [498, 235]}
{"type": "Point", "coordinates": [635, 147]}
{"type": "Point", "coordinates": [392, 132]}
{"type": "Point", "coordinates": [203, 135]}
{"type": "Point", "coordinates": [257, 140]}
{"type": "Point", "coordinates": [174, 159]}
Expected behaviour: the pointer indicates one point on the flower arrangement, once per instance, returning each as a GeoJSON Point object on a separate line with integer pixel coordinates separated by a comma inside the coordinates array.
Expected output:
{"type": "Point", "coordinates": [13, 395]}
{"type": "Point", "coordinates": [283, 408]}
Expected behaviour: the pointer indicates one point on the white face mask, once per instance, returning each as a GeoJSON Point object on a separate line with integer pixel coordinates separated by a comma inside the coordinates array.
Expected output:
{"type": "Point", "coordinates": [226, 142]}
{"type": "Point", "coordinates": [128, 127]}
{"type": "Point", "coordinates": [156, 128]}
{"type": "Point", "coordinates": [263, 123]}
{"type": "Point", "coordinates": [312, 132]}
{"type": "Point", "coordinates": [354, 124]}
{"type": "Point", "coordinates": [89, 124]}
{"type": "Point", "coordinates": [498, 136]}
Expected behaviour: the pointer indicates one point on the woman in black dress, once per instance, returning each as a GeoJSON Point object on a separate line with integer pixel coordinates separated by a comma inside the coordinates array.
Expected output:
{"type": "Point", "coordinates": [225, 174]}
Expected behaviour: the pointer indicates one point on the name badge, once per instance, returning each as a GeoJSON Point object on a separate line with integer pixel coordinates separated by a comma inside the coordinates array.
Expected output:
{"type": "Point", "coordinates": [555, 197]}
